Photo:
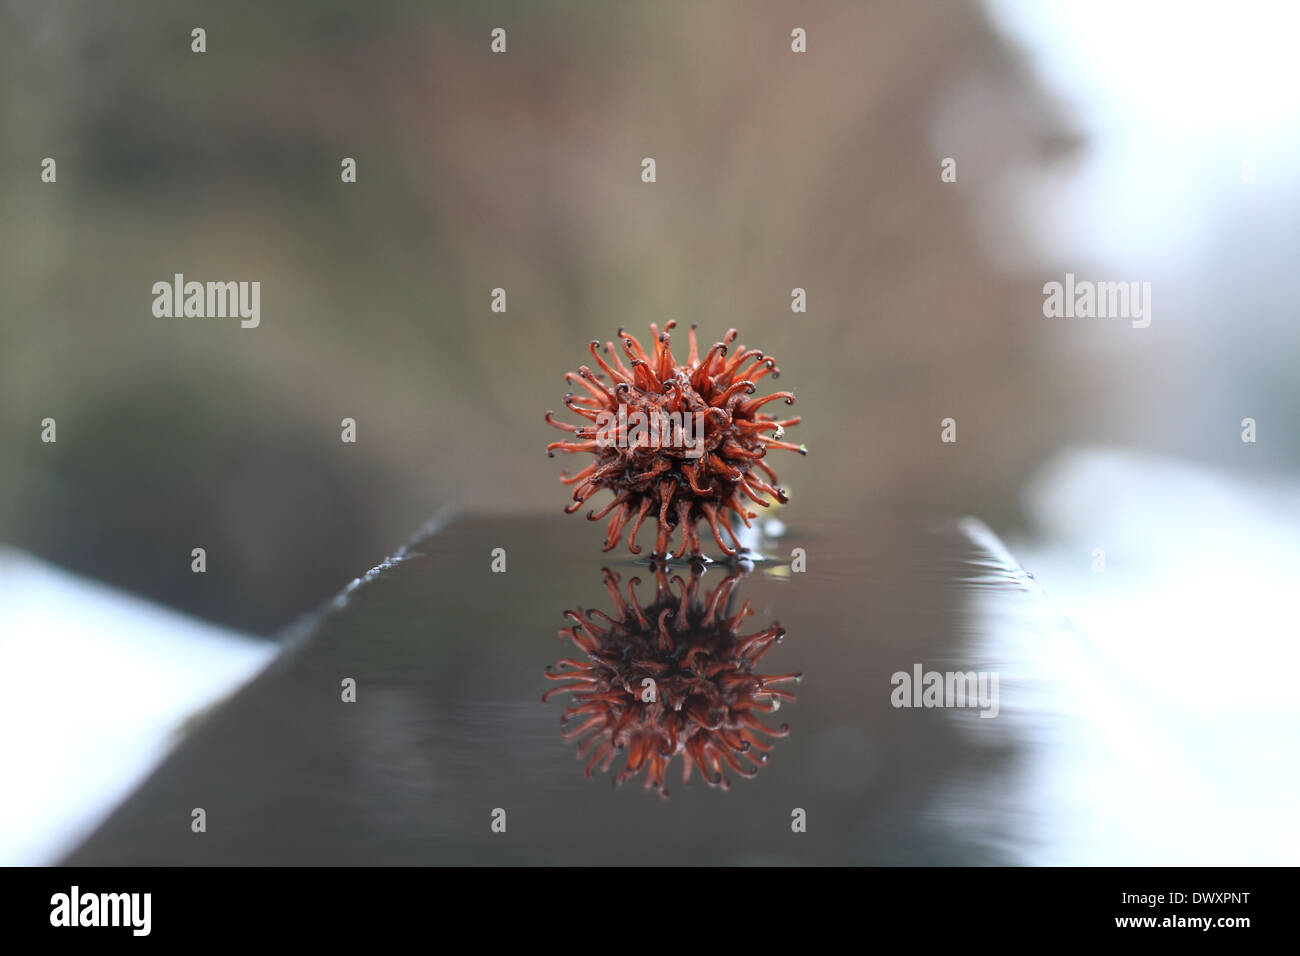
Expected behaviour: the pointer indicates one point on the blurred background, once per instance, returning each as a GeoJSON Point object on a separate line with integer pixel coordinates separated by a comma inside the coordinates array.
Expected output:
{"type": "Point", "coordinates": [478, 171]}
{"type": "Point", "coordinates": [1147, 142]}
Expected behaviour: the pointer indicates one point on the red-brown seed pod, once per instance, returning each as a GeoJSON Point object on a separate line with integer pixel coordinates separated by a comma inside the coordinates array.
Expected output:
{"type": "Point", "coordinates": [679, 443]}
{"type": "Point", "coordinates": [672, 677]}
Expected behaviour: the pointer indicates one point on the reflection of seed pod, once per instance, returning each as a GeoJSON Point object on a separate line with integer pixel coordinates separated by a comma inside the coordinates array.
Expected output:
{"type": "Point", "coordinates": [677, 482]}
{"type": "Point", "coordinates": [706, 700]}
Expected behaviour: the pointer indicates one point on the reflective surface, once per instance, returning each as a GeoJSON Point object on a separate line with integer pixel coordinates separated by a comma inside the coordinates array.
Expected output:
{"type": "Point", "coordinates": [671, 675]}
{"type": "Point", "coordinates": [448, 726]}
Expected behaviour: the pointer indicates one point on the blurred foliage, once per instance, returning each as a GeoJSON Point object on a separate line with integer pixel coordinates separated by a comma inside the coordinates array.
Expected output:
{"type": "Point", "coordinates": [477, 171]}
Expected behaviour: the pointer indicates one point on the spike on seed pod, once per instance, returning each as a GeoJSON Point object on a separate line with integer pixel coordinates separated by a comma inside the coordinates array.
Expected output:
{"type": "Point", "coordinates": [678, 444]}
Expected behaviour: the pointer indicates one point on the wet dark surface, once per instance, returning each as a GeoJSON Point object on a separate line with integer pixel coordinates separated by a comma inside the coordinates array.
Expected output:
{"type": "Point", "coordinates": [448, 724]}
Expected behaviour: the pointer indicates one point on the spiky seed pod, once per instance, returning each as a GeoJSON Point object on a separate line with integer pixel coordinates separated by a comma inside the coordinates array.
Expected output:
{"type": "Point", "coordinates": [700, 455]}
{"type": "Point", "coordinates": [704, 702]}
